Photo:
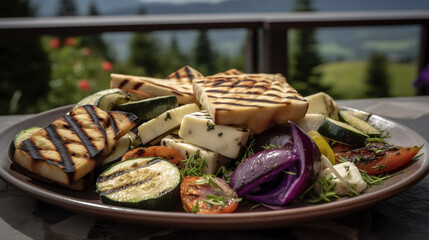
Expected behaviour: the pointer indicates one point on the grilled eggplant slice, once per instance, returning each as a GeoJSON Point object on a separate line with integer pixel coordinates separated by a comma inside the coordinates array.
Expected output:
{"type": "Point", "coordinates": [73, 145]}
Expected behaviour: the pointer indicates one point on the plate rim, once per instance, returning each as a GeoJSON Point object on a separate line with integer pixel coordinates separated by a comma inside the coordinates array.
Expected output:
{"type": "Point", "coordinates": [237, 220]}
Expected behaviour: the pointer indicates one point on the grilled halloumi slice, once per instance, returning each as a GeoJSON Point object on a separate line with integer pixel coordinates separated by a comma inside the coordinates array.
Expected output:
{"type": "Point", "coordinates": [73, 145]}
{"type": "Point", "coordinates": [257, 101]}
{"type": "Point", "coordinates": [232, 71]}
{"type": "Point", "coordinates": [155, 87]}
{"type": "Point", "coordinates": [185, 72]}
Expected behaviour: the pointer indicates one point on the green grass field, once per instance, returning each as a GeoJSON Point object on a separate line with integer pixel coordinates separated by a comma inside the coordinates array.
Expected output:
{"type": "Point", "coordinates": [348, 79]}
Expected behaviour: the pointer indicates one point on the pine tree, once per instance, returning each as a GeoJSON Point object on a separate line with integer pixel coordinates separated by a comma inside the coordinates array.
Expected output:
{"type": "Point", "coordinates": [304, 75]}
{"type": "Point", "coordinates": [204, 56]}
{"type": "Point", "coordinates": [377, 78]}
{"type": "Point", "coordinates": [24, 65]}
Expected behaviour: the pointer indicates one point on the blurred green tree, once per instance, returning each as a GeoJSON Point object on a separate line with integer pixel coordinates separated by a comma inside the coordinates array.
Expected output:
{"type": "Point", "coordinates": [66, 8]}
{"type": "Point", "coordinates": [303, 74]}
{"type": "Point", "coordinates": [205, 59]}
{"type": "Point", "coordinates": [145, 52]}
{"type": "Point", "coordinates": [94, 41]}
{"type": "Point", "coordinates": [173, 58]}
{"type": "Point", "coordinates": [24, 65]}
{"type": "Point", "coordinates": [377, 77]}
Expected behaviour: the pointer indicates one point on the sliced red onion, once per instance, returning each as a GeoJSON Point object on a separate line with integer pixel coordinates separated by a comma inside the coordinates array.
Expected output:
{"type": "Point", "coordinates": [259, 168]}
{"type": "Point", "coordinates": [296, 168]}
{"type": "Point", "coordinates": [279, 136]}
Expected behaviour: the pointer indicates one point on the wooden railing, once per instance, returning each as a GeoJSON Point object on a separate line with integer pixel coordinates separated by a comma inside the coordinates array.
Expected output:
{"type": "Point", "coordinates": [267, 32]}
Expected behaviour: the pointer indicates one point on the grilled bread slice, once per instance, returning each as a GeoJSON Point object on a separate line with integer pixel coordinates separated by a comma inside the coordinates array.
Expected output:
{"type": "Point", "coordinates": [73, 145]}
{"type": "Point", "coordinates": [154, 87]}
{"type": "Point", "coordinates": [257, 101]}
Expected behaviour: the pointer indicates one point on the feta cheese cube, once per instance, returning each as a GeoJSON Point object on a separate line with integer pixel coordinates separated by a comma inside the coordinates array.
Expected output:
{"type": "Point", "coordinates": [350, 173]}
{"type": "Point", "coordinates": [199, 128]}
{"type": "Point", "coordinates": [213, 160]}
{"type": "Point", "coordinates": [165, 122]}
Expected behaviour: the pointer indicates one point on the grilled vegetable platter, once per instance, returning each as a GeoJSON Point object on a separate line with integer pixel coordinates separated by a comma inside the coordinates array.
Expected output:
{"type": "Point", "coordinates": [211, 145]}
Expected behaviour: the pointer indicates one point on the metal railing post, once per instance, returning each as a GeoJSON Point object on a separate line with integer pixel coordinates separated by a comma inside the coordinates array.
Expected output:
{"type": "Point", "coordinates": [273, 48]}
{"type": "Point", "coordinates": [252, 54]}
{"type": "Point", "coordinates": [424, 47]}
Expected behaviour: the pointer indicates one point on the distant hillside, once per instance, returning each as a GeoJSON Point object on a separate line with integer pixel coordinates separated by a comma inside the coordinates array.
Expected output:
{"type": "Point", "coordinates": [348, 79]}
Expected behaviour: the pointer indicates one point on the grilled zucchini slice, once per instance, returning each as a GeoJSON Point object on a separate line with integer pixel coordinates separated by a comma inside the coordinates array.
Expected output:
{"type": "Point", "coordinates": [146, 183]}
{"type": "Point", "coordinates": [21, 136]}
{"type": "Point", "coordinates": [358, 123]}
{"type": "Point", "coordinates": [342, 132]}
{"type": "Point", "coordinates": [147, 109]}
{"type": "Point", "coordinates": [93, 98]}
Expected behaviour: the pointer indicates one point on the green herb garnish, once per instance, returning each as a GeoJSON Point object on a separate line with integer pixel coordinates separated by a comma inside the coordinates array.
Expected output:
{"type": "Point", "coordinates": [167, 117]}
{"type": "Point", "coordinates": [194, 165]}
{"type": "Point", "coordinates": [210, 126]}
{"type": "Point", "coordinates": [215, 200]}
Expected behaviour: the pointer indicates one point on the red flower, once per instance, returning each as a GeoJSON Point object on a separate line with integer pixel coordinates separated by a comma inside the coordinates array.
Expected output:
{"type": "Point", "coordinates": [86, 51]}
{"type": "Point", "coordinates": [84, 85]}
{"type": "Point", "coordinates": [108, 66]}
{"type": "Point", "coordinates": [70, 41]}
{"type": "Point", "coordinates": [54, 43]}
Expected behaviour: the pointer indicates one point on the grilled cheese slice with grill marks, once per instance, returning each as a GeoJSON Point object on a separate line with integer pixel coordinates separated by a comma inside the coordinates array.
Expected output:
{"type": "Point", "coordinates": [155, 87]}
{"type": "Point", "coordinates": [185, 72]}
{"type": "Point", "coordinates": [257, 101]}
{"type": "Point", "coordinates": [73, 145]}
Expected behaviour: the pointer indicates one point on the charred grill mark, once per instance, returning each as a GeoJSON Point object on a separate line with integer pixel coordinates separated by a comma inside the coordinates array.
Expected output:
{"type": "Point", "coordinates": [90, 110]}
{"type": "Point", "coordinates": [273, 95]}
{"type": "Point", "coordinates": [218, 83]}
{"type": "Point", "coordinates": [86, 140]}
{"type": "Point", "coordinates": [53, 162]}
{"type": "Point", "coordinates": [30, 147]}
{"type": "Point", "coordinates": [216, 91]}
{"type": "Point", "coordinates": [137, 86]}
{"type": "Point", "coordinates": [61, 148]}
{"type": "Point", "coordinates": [174, 90]}
{"type": "Point", "coordinates": [261, 87]}
{"type": "Point", "coordinates": [116, 174]}
{"type": "Point", "coordinates": [277, 90]}
{"type": "Point", "coordinates": [120, 188]}
{"type": "Point", "coordinates": [177, 93]}
{"type": "Point", "coordinates": [177, 75]}
{"type": "Point", "coordinates": [114, 125]}
{"type": "Point", "coordinates": [253, 93]}
{"type": "Point", "coordinates": [223, 109]}
{"type": "Point", "coordinates": [123, 83]}
{"type": "Point", "coordinates": [189, 74]}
